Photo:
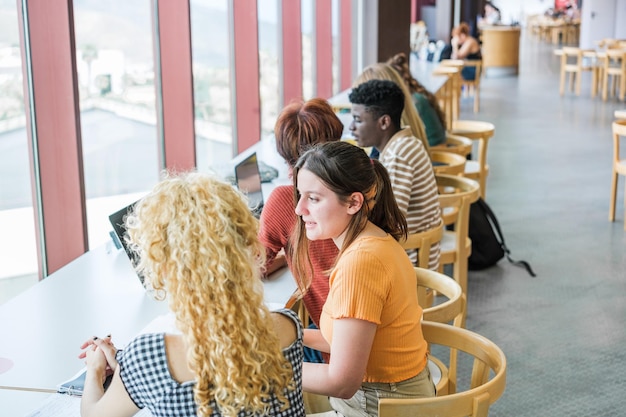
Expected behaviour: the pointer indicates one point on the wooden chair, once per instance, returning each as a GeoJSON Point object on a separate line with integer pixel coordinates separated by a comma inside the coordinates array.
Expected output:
{"type": "Point", "coordinates": [572, 33]}
{"type": "Point", "coordinates": [573, 63]}
{"type": "Point", "coordinates": [488, 378]}
{"type": "Point", "coordinates": [614, 71]}
{"type": "Point", "coordinates": [447, 163]}
{"type": "Point", "coordinates": [456, 194]}
{"type": "Point", "coordinates": [476, 168]}
{"type": "Point", "coordinates": [456, 144]}
{"type": "Point", "coordinates": [450, 310]}
{"type": "Point", "coordinates": [422, 242]}
{"type": "Point", "coordinates": [474, 85]}
{"type": "Point", "coordinates": [450, 94]}
{"type": "Point", "coordinates": [619, 167]}
{"type": "Point", "coordinates": [467, 85]}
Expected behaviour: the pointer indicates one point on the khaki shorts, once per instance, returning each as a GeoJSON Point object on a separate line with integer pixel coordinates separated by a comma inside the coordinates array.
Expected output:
{"type": "Point", "coordinates": [365, 402]}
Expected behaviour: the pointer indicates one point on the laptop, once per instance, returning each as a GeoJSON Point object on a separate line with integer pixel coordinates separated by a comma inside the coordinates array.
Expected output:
{"type": "Point", "coordinates": [119, 234]}
{"type": "Point", "coordinates": [248, 180]}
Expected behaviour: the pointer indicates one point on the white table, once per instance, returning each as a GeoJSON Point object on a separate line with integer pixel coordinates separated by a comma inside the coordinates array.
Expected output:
{"type": "Point", "coordinates": [96, 294]}
{"type": "Point", "coordinates": [422, 71]}
{"type": "Point", "coordinates": [41, 329]}
{"type": "Point", "coordinates": [15, 403]}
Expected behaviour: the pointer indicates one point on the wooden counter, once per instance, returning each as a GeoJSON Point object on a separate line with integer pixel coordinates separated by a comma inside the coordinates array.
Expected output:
{"type": "Point", "coordinates": [500, 48]}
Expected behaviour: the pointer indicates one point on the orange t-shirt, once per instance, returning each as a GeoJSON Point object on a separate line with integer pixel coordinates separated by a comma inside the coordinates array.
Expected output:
{"type": "Point", "coordinates": [374, 281]}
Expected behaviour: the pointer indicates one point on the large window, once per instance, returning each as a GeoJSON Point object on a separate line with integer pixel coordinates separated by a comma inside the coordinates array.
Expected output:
{"type": "Point", "coordinates": [336, 30]}
{"type": "Point", "coordinates": [269, 29]}
{"type": "Point", "coordinates": [211, 79]}
{"type": "Point", "coordinates": [18, 251]}
{"type": "Point", "coordinates": [308, 48]}
{"type": "Point", "coordinates": [119, 136]}
{"type": "Point", "coordinates": [115, 64]}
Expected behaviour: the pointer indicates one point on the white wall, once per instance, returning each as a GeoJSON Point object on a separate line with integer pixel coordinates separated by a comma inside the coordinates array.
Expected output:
{"type": "Point", "coordinates": [620, 18]}
{"type": "Point", "coordinates": [598, 21]}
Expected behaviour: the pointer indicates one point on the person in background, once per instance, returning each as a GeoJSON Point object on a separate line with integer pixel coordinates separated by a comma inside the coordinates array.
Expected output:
{"type": "Point", "coordinates": [572, 12]}
{"type": "Point", "coordinates": [370, 321]}
{"type": "Point", "coordinates": [409, 116]}
{"type": "Point", "coordinates": [299, 126]}
{"type": "Point", "coordinates": [197, 244]}
{"type": "Point", "coordinates": [492, 15]}
{"type": "Point", "coordinates": [464, 46]}
{"type": "Point", "coordinates": [425, 102]}
{"type": "Point", "coordinates": [377, 106]}
{"type": "Point", "coordinates": [419, 36]}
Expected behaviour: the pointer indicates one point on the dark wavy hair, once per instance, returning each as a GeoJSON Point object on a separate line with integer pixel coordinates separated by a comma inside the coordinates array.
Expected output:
{"type": "Point", "coordinates": [400, 63]}
{"type": "Point", "coordinates": [302, 124]}
{"type": "Point", "coordinates": [380, 97]}
{"type": "Point", "coordinates": [346, 169]}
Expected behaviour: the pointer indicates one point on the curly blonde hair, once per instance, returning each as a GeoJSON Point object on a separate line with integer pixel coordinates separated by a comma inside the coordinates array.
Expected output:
{"type": "Point", "coordinates": [197, 242]}
{"type": "Point", "coordinates": [410, 117]}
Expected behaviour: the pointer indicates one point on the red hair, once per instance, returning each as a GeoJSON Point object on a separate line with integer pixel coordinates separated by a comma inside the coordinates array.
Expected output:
{"type": "Point", "coordinates": [303, 124]}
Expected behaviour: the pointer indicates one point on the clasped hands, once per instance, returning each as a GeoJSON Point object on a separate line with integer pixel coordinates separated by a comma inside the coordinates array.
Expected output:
{"type": "Point", "coordinates": [99, 355]}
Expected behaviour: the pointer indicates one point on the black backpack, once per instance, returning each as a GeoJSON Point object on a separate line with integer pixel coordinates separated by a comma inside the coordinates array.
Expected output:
{"type": "Point", "coordinates": [488, 245]}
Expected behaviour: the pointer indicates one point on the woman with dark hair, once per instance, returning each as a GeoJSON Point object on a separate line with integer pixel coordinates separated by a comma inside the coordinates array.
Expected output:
{"type": "Point", "coordinates": [369, 323]}
{"type": "Point", "coordinates": [299, 126]}
{"type": "Point", "coordinates": [425, 102]}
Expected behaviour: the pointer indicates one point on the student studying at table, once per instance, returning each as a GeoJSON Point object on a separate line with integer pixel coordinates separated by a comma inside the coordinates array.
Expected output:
{"type": "Point", "coordinates": [465, 46]}
{"type": "Point", "coordinates": [377, 106]}
{"type": "Point", "coordinates": [299, 126]}
{"type": "Point", "coordinates": [425, 102]}
{"type": "Point", "coordinates": [197, 243]}
{"type": "Point", "coordinates": [368, 322]}
{"type": "Point", "coordinates": [409, 115]}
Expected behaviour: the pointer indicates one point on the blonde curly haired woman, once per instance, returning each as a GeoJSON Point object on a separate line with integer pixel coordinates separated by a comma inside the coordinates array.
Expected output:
{"type": "Point", "coordinates": [197, 244]}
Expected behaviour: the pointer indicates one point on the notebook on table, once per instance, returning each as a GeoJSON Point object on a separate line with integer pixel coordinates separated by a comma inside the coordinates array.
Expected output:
{"type": "Point", "coordinates": [248, 180]}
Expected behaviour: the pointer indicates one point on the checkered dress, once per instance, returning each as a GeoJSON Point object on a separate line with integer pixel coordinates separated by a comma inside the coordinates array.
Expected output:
{"type": "Point", "coordinates": [144, 372]}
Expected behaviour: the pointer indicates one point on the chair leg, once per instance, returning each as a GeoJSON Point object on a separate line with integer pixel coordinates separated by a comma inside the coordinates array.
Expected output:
{"type": "Point", "coordinates": [476, 100]}
{"type": "Point", "coordinates": [613, 197]}
{"type": "Point", "coordinates": [594, 82]}
{"type": "Point", "coordinates": [605, 86]}
{"type": "Point", "coordinates": [562, 84]}
{"type": "Point", "coordinates": [625, 207]}
{"type": "Point", "coordinates": [459, 274]}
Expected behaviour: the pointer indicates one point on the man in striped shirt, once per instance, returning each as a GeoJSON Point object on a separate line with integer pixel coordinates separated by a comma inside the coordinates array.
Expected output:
{"type": "Point", "coordinates": [377, 107]}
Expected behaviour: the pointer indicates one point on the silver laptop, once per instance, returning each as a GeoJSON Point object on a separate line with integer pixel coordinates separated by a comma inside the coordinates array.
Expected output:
{"type": "Point", "coordinates": [248, 179]}
{"type": "Point", "coordinates": [119, 237]}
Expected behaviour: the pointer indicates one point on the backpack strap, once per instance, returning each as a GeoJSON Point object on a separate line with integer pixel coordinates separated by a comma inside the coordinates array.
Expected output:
{"type": "Point", "coordinates": [492, 218]}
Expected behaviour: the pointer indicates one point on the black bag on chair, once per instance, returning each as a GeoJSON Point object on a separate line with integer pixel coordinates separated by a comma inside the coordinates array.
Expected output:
{"type": "Point", "coordinates": [488, 245]}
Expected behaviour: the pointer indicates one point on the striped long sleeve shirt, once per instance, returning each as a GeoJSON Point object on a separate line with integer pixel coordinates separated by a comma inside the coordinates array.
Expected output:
{"type": "Point", "coordinates": [414, 185]}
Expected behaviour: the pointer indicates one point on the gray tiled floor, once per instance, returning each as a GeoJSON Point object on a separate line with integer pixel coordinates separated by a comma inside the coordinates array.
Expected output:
{"type": "Point", "coordinates": [564, 331]}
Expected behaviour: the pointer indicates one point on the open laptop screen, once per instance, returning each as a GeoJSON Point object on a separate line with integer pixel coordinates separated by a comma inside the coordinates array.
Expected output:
{"type": "Point", "coordinates": [117, 221]}
{"type": "Point", "coordinates": [248, 180]}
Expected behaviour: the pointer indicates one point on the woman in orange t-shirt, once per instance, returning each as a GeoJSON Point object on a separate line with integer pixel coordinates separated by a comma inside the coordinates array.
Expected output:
{"type": "Point", "coordinates": [370, 323]}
